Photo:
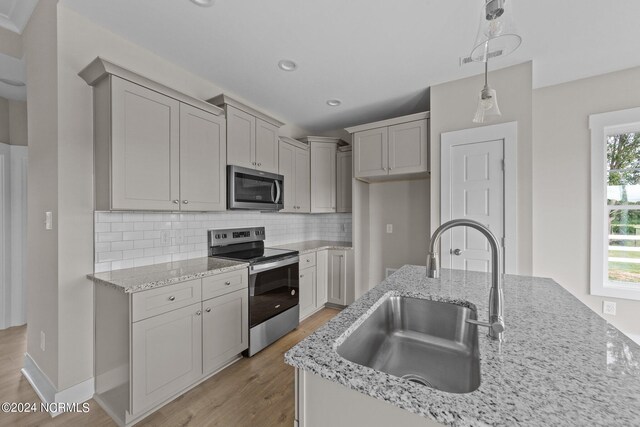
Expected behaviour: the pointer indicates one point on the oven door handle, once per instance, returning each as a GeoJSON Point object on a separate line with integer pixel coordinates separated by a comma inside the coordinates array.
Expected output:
{"type": "Point", "coordinates": [257, 268]}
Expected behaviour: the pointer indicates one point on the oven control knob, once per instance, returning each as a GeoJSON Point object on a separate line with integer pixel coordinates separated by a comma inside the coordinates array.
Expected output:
{"type": "Point", "coordinates": [293, 291]}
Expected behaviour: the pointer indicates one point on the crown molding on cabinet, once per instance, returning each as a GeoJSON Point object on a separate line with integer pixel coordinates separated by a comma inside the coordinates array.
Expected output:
{"type": "Point", "coordinates": [310, 139]}
{"type": "Point", "coordinates": [223, 99]}
{"type": "Point", "coordinates": [389, 122]}
{"type": "Point", "coordinates": [345, 148]}
{"type": "Point", "coordinates": [294, 142]}
{"type": "Point", "coordinates": [100, 68]}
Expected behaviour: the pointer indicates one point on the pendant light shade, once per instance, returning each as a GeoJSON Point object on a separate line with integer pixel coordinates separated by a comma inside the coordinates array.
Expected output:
{"type": "Point", "coordinates": [497, 35]}
{"type": "Point", "coordinates": [487, 101]}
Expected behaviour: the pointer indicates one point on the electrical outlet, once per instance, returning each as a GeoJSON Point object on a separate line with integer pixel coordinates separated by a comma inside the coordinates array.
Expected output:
{"type": "Point", "coordinates": [389, 228]}
{"type": "Point", "coordinates": [609, 308]}
{"type": "Point", "coordinates": [165, 238]}
{"type": "Point", "coordinates": [179, 237]}
{"type": "Point", "coordinates": [42, 340]}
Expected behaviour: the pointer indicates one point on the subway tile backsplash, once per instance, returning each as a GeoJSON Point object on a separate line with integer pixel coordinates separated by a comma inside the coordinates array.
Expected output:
{"type": "Point", "coordinates": [134, 239]}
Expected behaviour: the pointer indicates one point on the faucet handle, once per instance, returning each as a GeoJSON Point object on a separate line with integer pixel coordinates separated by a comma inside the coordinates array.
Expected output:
{"type": "Point", "coordinates": [496, 327]}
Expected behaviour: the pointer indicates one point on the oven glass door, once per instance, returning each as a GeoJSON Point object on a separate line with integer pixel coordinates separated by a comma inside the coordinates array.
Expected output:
{"type": "Point", "coordinates": [271, 292]}
{"type": "Point", "coordinates": [254, 189]}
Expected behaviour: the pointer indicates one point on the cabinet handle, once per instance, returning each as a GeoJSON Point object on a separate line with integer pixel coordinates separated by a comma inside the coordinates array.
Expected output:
{"type": "Point", "coordinates": [308, 260]}
{"type": "Point", "coordinates": [172, 298]}
{"type": "Point", "coordinates": [186, 202]}
{"type": "Point", "coordinates": [198, 313]}
{"type": "Point", "coordinates": [177, 202]}
{"type": "Point", "coordinates": [227, 283]}
{"type": "Point", "coordinates": [208, 310]}
{"type": "Point", "coordinates": [259, 164]}
{"type": "Point", "coordinates": [301, 276]}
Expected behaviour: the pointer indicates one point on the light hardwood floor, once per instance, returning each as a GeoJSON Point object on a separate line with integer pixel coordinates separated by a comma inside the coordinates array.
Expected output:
{"type": "Point", "coordinates": [252, 392]}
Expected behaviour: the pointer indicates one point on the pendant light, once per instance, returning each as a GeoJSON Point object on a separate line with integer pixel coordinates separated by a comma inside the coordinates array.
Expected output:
{"type": "Point", "coordinates": [497, 35]}
{"type": "Point", "coordinates": [487, 101]}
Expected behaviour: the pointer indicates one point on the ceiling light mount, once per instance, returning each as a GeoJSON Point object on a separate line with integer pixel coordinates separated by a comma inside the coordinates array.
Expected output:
{"type": "Point", "coordinates": [287, 65]}
{"type": "Point", "coordinates": [203, 3]}
{"type": "Point", "coordinates": [334, 102]}
{"type": "Point", "coordinates": [496, 32]}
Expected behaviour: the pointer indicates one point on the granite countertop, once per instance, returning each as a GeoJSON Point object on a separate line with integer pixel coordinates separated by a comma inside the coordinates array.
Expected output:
{"type": "Point", "coordinates": [143, 278]}
{"type": "Point", "coordinates": [560, 363]}
{"type": "Point", "coordinates": [315, 245]}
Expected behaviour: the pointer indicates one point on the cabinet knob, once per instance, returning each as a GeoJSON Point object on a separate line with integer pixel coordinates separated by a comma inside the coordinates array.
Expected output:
{"type": "Point", "coordinates": [308, 260]}
{"type": "Point", "coordinates": [186, 202]}
{"type": "Point", "coordinates": [293, 291]}
{"type": "Point", "coordinates": [198, 313]}
{"type": "Point", "coordinates": [177, 202]}
{"type": "Point", "coordinates": [301, 276]}
{"type": "Point", "coordinates": [259, 164]}
{"type": "Point", "coordinates": [208, 310]}
{"type": "Point", "coordinates": [227, 283]}
{"type": "Point", "coordinates": [172, 298]}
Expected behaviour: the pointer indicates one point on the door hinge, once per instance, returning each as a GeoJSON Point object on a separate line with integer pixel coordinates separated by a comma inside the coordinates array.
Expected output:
{"type": "Point", "coordinates": [504, 242]}
{"type": "Point", "coordinates": [503, 165]}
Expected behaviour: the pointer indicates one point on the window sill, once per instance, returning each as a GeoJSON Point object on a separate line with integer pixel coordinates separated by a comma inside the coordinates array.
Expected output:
{"type": "Point", "coordinates": [617, 291]}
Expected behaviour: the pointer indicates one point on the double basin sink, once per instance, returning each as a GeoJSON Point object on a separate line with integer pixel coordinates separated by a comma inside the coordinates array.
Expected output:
{"type": "Point", "coordinates": [426, 342]}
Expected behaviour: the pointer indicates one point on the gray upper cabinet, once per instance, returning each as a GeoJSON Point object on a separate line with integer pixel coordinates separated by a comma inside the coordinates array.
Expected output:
{"type": "Point", "coordinates": [154, 148]}
{"type": "Point", "coordinates": [145, 151]}
{"type": "Point", "coordinates": [252, 136]}
{"type": "Point", "coordinates": [392, 149]}
{"type": "Point", "coordinates": [294, 166]}
{"type": "Point", "coordinates": [202, 167]}
{"type": "Point", "coordinates": [344, 181]}
{"type": "Point", "coordinates": [323, 173]}
{"type": "Point", "coordinates": [241, 138]}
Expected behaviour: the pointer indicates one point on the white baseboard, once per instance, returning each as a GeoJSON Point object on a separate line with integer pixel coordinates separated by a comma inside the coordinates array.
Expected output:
{"type": "Point", "coordinates": [635, 338]}
{"type": "Point", "coordinates": [47, 392]}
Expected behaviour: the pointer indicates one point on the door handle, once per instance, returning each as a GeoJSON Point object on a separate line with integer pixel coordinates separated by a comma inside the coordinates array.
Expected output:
{"type": "Point", "coordinates": [277, 200]}
{"type": "Point", "coordinates": [456, 252]}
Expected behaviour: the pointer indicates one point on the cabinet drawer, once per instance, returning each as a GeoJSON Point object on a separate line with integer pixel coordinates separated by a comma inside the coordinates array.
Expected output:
{"type": "Point", "coordinates": [307, 260]}
{"type": "Point", "coordinates": [161, 300]}
{"type": "Point", "coordinates": [220, 284]}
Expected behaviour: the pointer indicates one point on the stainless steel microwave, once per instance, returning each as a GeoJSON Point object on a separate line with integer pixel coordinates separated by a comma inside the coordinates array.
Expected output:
{"type": "Point", "coordinates": [253, 189]}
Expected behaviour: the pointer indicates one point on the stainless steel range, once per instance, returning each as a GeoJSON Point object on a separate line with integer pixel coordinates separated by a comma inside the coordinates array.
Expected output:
{"type": "Point", "coordinates": [273, 282]}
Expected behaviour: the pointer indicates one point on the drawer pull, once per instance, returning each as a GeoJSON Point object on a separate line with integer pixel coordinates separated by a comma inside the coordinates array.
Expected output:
{"type": "Point", "coordinates": [227, 283]}
{"type": "Point", "coordinates": [308, 260]}
{"type": "Point", "coordinates": [208, 310]}
{"type": "Point", "coordinates": [172, 298]}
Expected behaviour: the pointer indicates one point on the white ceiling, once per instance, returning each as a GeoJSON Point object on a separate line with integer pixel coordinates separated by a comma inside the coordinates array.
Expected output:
{"type": "Point", "coordinates": [377, 56]}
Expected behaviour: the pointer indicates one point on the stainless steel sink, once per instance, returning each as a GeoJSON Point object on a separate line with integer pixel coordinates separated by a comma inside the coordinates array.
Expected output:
{"type": "Point", "coordinates": [427, 342]}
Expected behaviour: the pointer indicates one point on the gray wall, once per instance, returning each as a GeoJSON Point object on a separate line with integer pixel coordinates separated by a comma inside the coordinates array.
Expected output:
{"type": "Point", "coordinates": [453, 106]}
{"type": "Point", "coordinates": [561, 182]}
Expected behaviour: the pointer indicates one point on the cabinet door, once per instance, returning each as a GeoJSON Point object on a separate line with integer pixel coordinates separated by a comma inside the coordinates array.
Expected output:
{"type": "Point", "coordinates": [145, 148]}
{"type": "Point", "coordinates": [303, 181]}
{"type": "Point", "coordinates": [371, 150]}
{"type": "Point", "coordinates": [266, 156]}
{"type": "Point", "coordinates": [287, 168]}
{"type": "Point", "coordinates": [307, 291]}
{"type": "Point", "coordinates": [408, 144]}
{"type": "Point", "coordinates": [344, 181]}
{"type": "Point", "coordinates": [322, 270]}
{"type": "Point", "coordinates": [224, 329]}
{"type": "Point", "coordinates": [241, 138]}
{"type": "Point", "coordinates": [203, 160]}
{"type": "Point", "coordinates": [323, 177]}
{"type": "Point", "coordinates": [166, 356]}
{"type": "Point", "coordinates": [336, 278]}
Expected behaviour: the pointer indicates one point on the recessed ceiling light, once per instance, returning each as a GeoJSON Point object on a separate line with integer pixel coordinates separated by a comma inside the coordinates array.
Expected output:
{"type": "Point", "coordinates": [204, 3]}
{"type": "Point", "coordinates": [287, 65]}
{"type": "Point", "coordinates": [334, 103]}
{"type": "Point", "coordinates": [10, 82]}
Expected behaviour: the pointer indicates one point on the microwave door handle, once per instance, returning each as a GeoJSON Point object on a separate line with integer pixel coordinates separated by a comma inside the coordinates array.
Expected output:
{"type": "Point", "coordinates": [277, 200]}
{"type": "Point", "coordinates": [273, 192]}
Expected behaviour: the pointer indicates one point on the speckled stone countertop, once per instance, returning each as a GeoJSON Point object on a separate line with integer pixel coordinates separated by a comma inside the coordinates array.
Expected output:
{"type": "Point", "coordinates": [143, 278]}
{"type": "Point", "coordinates": [315, 245]}
{"type": "Point", "coordinates": [560, 363]}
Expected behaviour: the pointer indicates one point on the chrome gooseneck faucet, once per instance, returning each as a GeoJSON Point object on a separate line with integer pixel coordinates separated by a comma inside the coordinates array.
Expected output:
{"type": "Point", "coordinates": [496, 298]}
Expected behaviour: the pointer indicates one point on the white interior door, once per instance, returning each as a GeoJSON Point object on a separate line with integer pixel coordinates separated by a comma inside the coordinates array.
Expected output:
{"type": "Point", "coordinates": [475, 186]}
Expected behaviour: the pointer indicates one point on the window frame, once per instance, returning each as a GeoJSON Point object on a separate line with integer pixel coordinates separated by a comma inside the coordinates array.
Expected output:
{"type": "Point", "coordinates": [601, 126]}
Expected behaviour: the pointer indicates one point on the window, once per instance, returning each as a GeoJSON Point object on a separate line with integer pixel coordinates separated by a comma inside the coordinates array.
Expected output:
{"type": "Point", "coordinates": [615, 204]}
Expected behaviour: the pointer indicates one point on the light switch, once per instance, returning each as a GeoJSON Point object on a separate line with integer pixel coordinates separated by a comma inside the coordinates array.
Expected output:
{"type": "Point", "coordinates": [389, 228]}
{"type": "Point", "coordinates": [48, 220]}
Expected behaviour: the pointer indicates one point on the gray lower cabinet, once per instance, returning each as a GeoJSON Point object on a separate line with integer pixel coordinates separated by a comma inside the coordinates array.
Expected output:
{"type": "Point", "coordinates": [151, 346]}
{"type": "Point", "coordinates": [340, 278]}
{"type": "Point", "coordinates": [166, 355]}
{"type": "Point", "coordinates": [307, 286]}
{"type": "Point", "coordinates": [224, 329]}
